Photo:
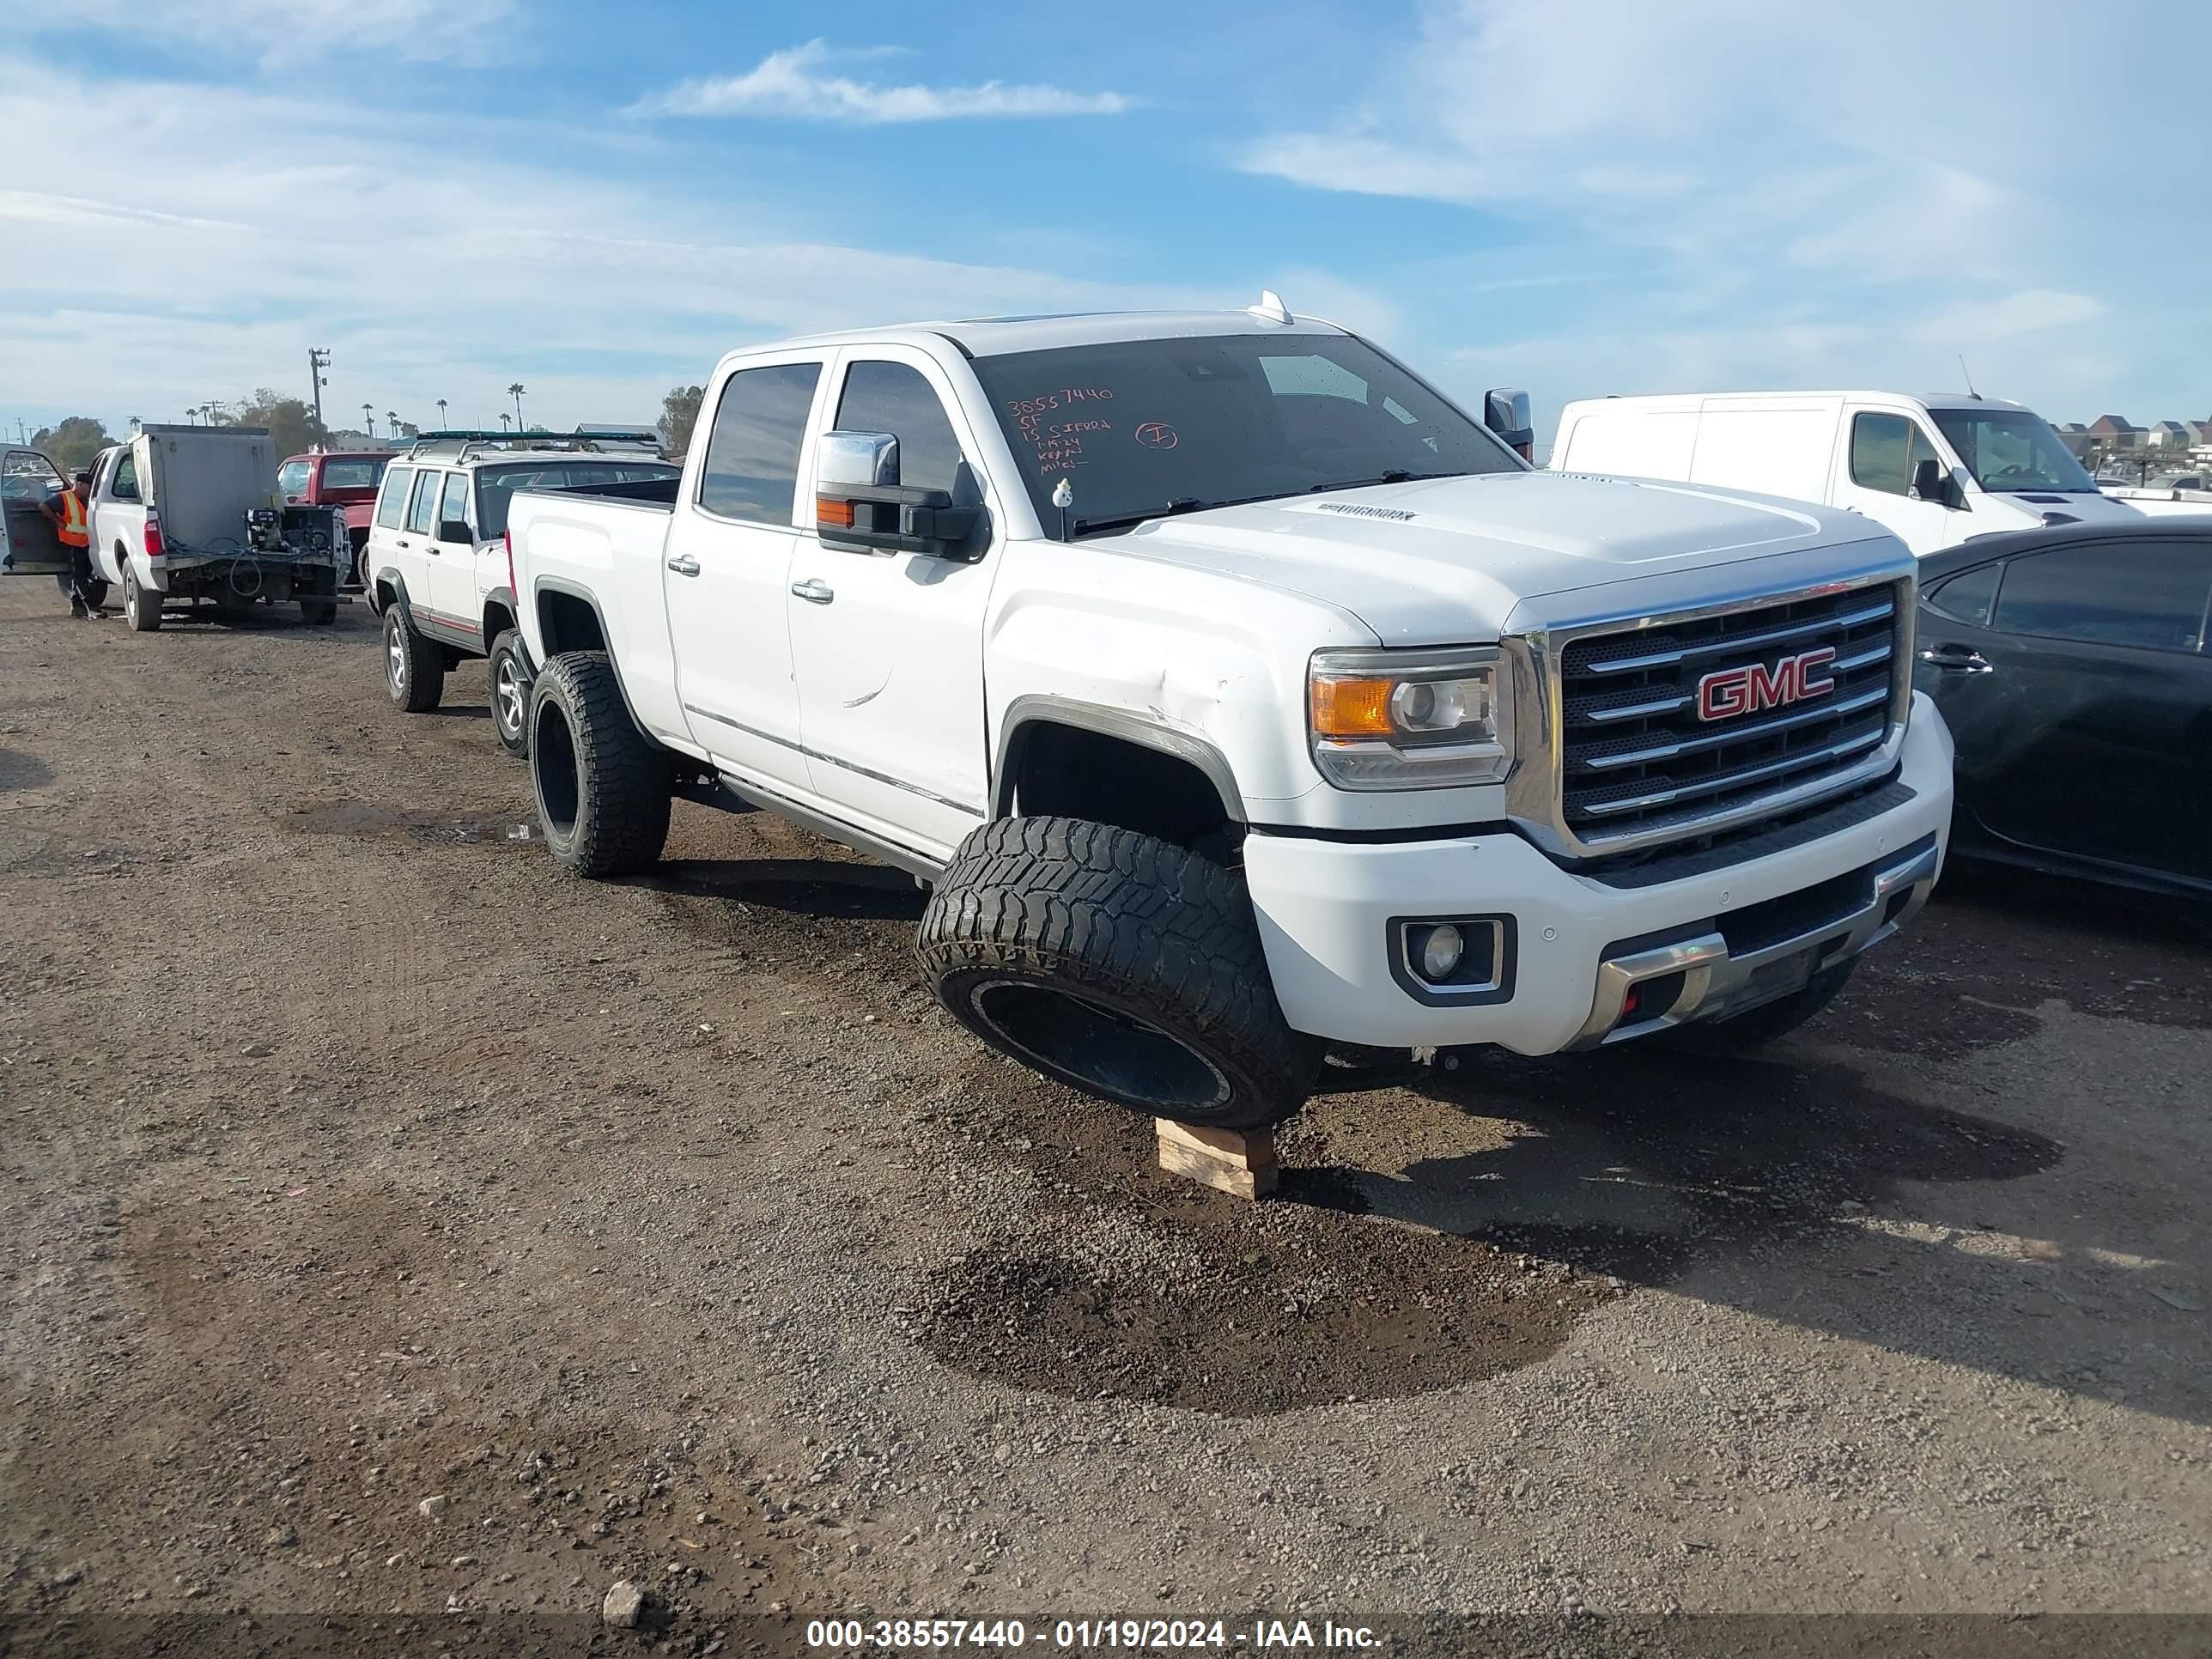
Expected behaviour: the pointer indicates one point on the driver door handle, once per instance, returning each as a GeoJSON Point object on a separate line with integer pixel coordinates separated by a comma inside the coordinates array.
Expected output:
{"type": "Point", "coordinates": [814, 591]}
{"type": "Point", "coordinates": [1958, 660]}
{"type": "Point", "coordinates": [685, 566]}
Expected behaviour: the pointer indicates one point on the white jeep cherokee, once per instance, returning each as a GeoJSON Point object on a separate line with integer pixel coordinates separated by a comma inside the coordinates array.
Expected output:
{"type": "Point", "coordinates": [1236, 693]}
{"type": "Point", "coordinates": [434, 564]}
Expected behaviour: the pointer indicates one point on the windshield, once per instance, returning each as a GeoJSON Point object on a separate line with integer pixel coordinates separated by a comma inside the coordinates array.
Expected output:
{"type": "Point", "coordinates": [1139, 428]}
{"type": "Point", "coordinates": [2012, 449]}
{"type": "Point", "coordinates": [495, 485]}
{"type": "Point", "coordinates": [364, 474]}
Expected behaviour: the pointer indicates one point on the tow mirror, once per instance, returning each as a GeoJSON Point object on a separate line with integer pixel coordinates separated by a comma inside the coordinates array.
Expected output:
{"type": "Point", "coordinates": [869, 460]}
{"type": "Point", "coordinates": [1505, 412]}
{"type": "Point", "coordinates": [859, 502]}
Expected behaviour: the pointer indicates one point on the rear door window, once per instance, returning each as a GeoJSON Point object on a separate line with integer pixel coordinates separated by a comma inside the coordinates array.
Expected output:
{"type": "Point", "coordinates": [392, 506]}
{"type": "Point", "coordinates": [2148, 595]}
{"type": "Point", "coordinates": [124, 486]}
{"type": "Point", "coordinates": [422, 512]}
{"type": "Point", "coordinates": [751, 472]}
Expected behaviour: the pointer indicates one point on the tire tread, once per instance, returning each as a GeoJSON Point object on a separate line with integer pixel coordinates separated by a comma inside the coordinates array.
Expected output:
{"type": "Point", "coordinates": [622, 775]}
{"type": "Point", "coordinates": [1096, 906]}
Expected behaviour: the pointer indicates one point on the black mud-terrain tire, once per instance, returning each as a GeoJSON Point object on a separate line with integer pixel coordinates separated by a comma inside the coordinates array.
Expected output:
{"type": "Point", "coordinates": [602, 785]}
{"type": "Point", "coordinates": [141, 607]}
{"type": "Point", "coordinates": [414, 668]}
{"type": "Point", "coordinates": [508, 688]}
{"type": "Point", "coordinates": [319, 613]}
{"type": "Point", "coordinates": [1120, 964]}
{"type": "Point", "coordinates": [1770, 1022]}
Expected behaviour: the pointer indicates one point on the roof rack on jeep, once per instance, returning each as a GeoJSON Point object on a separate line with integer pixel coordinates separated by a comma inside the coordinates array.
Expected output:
{"type": "Point", "coordinates": [460, 443]}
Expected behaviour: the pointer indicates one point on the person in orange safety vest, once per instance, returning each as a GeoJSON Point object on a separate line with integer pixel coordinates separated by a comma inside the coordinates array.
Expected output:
{"type": "Point", "coordinates": [67, 509]}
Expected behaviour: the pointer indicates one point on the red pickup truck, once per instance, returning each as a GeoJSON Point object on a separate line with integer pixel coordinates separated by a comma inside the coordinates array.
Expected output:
{"type": "Point", "coordinates": [347, 479]}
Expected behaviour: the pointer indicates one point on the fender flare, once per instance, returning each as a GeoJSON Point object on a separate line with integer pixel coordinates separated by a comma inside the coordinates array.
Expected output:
{"type": "Point", "coordinates": [1034, 710]}
{"type": "Point", "coordinates": [390, 573]}
{"type": "Point", "coordinates": [577, 591]}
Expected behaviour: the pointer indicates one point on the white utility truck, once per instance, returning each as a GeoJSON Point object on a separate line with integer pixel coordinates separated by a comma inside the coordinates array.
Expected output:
{"type": "Point", "coordinates": [192, 513]}
{"type": "Point", "coordinates": [1237, 694]}
{"type": "Point", "coordinates": [1936, 469]}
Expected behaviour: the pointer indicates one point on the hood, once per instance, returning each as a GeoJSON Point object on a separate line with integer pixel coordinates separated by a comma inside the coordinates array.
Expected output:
{"type": "Point", "coordinates": [1448, 559]}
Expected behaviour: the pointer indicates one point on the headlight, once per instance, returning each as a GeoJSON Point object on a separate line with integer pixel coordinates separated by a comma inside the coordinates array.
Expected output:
{"type": "Point", "coordinates": [1411, 720]}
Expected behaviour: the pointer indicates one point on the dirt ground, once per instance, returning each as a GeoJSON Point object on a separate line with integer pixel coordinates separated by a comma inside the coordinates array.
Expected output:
{"type": "Point", "coordinates": [402, 1241]}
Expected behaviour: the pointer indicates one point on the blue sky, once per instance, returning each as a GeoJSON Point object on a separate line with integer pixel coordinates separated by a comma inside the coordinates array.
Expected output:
{"type": "Point", "coordinates": [598, 200]}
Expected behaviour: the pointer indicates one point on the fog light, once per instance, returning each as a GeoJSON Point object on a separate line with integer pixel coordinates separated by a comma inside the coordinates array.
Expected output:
{"type": "Point", "coordinates": [1441, 951]}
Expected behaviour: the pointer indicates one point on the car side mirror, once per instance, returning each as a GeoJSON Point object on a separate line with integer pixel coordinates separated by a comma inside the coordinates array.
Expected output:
{"type": "Point", "coordinates": [859, 502]}
{"type": "Point", "coordinates": [1505, 412]}
{"type": "Point", "coordinates": [1931, 482]}
{"type": "Point", "coordinates": [456, 529]}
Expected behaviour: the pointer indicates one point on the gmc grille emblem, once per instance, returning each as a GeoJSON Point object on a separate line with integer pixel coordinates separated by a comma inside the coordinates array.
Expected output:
{"type": "Point", "coordinates": [1728, 692]}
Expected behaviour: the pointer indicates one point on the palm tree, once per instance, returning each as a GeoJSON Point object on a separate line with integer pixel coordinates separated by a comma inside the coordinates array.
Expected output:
{"type": "Point", "coordinates": [442, 411]}
{"type": "Point", "coordinates": [503, 420]}
{"type": "Point", "coordinates": [369, 418]}
{"type": "Point", "coordinates": [391, 422]}
{"type": "Point", "coordinates": [515, 391]}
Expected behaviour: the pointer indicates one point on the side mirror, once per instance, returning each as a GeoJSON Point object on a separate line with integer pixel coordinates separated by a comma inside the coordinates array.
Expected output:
{"type": "Point", "coordinates": [1505, 412]}
{"type": "Point", "coordinates": [456, 529]}
{"type": "Point", "coordinates": [869, 460]}
{"type": "Point", "coordinates": [859, 502]}
{"type": "Point", "coordinates": [1931, 482]}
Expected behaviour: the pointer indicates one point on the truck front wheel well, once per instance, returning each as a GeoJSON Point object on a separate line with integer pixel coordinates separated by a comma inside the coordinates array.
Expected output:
{"type": "Point", "coordinates": [1053, 770]}
{"type": "Point", "coordinates": [568, 623]}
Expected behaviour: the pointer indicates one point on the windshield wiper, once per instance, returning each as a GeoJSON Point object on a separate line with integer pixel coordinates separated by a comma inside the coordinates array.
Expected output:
{"type": "Point", "coordinates": [1393, 475]}
{"type": "Point", "coordinates": [1123, 520]}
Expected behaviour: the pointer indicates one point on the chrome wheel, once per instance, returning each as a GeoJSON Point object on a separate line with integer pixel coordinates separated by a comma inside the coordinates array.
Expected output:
{"type": "Point", "coordinates": [506, 691]}
{"type": "Point", "coordinates": [395, 657]}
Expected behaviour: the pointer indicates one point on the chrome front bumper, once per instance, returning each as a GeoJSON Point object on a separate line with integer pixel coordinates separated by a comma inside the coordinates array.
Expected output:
{"type": "Point", "coordinates": [1714, 982]}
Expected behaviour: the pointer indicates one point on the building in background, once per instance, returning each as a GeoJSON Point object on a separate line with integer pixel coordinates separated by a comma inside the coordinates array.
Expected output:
{"type": "Point", "coordinates": [2115, 434]}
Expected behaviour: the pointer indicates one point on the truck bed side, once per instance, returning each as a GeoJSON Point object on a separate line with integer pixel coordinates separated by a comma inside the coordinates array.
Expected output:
{"type": "Point", "coordinates": [588, 573]}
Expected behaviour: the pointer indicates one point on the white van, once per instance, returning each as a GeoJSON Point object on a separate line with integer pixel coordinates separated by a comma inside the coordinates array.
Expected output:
{"type": "Point", "coordinates": [1935, 470]}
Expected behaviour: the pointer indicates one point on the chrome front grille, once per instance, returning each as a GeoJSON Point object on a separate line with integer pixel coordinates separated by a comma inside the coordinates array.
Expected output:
{"type": "Point", "coordinates": [1636, 762]}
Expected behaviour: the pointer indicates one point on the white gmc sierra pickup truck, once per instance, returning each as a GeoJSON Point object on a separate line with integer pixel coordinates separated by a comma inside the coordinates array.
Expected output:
{"type": "Point", "coordinates": [1237, 694]}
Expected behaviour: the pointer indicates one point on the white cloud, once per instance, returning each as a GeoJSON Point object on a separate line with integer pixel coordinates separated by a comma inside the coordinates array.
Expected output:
{"type": "Point", "coordinates": [2030, 311]}
{"type": "Point", "coordinates": [292, 32]}
{"type": "Point", "coordinates": [794, 83]}
{"type": "Point", "coordinates": [426, 280]}
{"type": "Point", "coordinates": [1767, 196]}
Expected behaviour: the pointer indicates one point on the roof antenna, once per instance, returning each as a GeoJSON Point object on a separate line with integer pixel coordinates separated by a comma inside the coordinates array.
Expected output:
{"type": "Point", "coordinates": [1969, 373]}
{"type": "Point", "coordinates": [1063, 497]}
{"type": "Point", "coordinates": [1270, 308]}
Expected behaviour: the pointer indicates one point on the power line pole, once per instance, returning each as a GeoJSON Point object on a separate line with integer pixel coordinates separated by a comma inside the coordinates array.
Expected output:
{"type": "Point", "coordinates": [319, 359]}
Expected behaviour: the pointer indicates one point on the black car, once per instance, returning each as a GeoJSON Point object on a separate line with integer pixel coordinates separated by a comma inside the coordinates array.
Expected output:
{"type": "Point", "coordinates": [2071, 665]}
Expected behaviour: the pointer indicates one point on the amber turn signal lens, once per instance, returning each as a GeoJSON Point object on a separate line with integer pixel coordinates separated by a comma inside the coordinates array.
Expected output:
{"type": "Point", "coordinates": [1351, 708]}
{"type": "Point", "coordinates": [838, 514]}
